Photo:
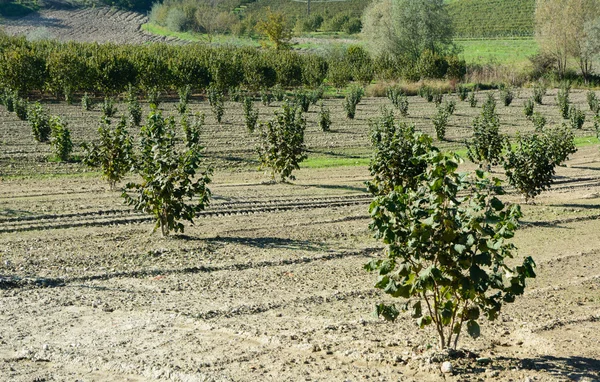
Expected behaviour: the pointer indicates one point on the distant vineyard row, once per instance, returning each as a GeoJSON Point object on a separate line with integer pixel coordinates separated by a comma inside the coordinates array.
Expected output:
{"type": "Point", "coordinates": [492, 18]}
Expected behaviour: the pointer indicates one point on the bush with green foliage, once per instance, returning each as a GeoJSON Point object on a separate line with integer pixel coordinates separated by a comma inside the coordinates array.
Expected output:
{"type": "Point", "coordinates": [463, 92]}
{"type": "Point", "coordinates": [184, 98]}
{"type": "Point", "coordinates": [398, 99]}
{"type": "Point", "coordinates": [528, 107]}
{"type": "Point", "coordinates": [324, 117]}
{"type": "Point", "coordinates": [440, 123]}
{"type": "Point", "coordinates": [250, 114]}
{"type": "Point", "coordinates": [539, 121]}
{"type": "Point", "coordinates": [355, 94]}
{"type": "Point", "coordinates": [562, 100]}
{"type": "Point", "coordinates": [60, 139]}
{"type": "Point", "coordinates": [112, 153]}
{"type": "Point", "coordinates": [473, 99]}
{"type": "Point", "coordinates": [507, 95]}
{"type": "Point", "coordinates": [192, 127]}
{"type": "Point", "coordinates": [134, 109]}
{"type": "Point", "coordinates": [447, 249]}
{"type": "Point", "coordinates": [266, 97]}
{"type": "Point", "coordinates": [109, 109]}
{"type": "Point", "coordinates": [7, 99]}
{"type": "Point", "coordinates": [593, 102]}
{"type": "Point", "coordinates": [169, 176]}
{"type": "Point", "coordinates": [153, 97]}
{"type": "Point", "coordinates": [398, 155]}
{"type": "Point", "coordinates": [86, 102]}
{"type": "Point", "coordinates": [302, 99]}
{"type": "Point", "coordinates": [539, 91]}
{"type": "Point", "coordinates": [39, 122]}
{"type": "Point", "coordinates": [216, 99]}
{"type": "Point", "coordinates": [281, 145]}
{"type": "Point", "coordinates": [278, 93]}
{"type": "Point", "coordinates": [487, 144]}
{"type": "Point", "coordinates": [450, 106]}
{"type": "Point", "coordinates": [530, 166]}
{"type": "Point", "coordinates": [21, 106]}
{"type": "Point", "coordinates": [576, 117]}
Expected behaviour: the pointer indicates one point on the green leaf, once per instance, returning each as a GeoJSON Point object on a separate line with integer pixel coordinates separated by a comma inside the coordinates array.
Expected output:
{"type": "Point", "coordinates": [388, 312]}
{"type": "Point", "coordinates": [473, 329]}
{"type": "Point", "coordinates": [416, 310]}
{"type": "Point", "coordinates": [496, 204]}
{"type": "Point", "coordinates": [424, 321]}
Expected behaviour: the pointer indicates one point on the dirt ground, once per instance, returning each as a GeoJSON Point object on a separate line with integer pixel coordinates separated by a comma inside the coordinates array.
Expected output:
{"type": "Point", "coordinates": [268, 285]}
{"type": "Point", "coordinates": [102, 25]}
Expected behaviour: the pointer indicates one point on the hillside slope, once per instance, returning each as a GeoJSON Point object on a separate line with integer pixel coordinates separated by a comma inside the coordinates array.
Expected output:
{"type": "Point", "coordinates": [493, 18]}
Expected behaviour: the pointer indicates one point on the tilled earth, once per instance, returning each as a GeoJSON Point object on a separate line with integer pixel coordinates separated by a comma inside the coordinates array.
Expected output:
{"type": "Point", "coordinates": [102, 25]}
{"type": "Point", "coordinates": [268, 284]}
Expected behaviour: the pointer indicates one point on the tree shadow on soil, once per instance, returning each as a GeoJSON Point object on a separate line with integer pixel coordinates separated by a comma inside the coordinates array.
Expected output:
{"type": "Point", "coordinates": [576, 205]}
{"type": "Point", "coordinates": [575, 368]}
{"type": "Point", "coordinates": [336, 187]}
{"type": "Point", "coordinates": [267, 243]}
{"type": "Point", "coordinates": [586, 168]}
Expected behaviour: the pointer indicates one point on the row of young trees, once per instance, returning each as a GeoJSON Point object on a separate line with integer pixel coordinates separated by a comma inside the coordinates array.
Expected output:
{"type": "Point", "coordinates": [65, 68]}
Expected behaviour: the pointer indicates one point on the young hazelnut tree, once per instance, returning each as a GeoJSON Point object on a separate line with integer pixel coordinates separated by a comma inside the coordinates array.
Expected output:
{"type": "Point", "coordinates": [447, 245]}
{"type": "Point", "coordinates": [171, 187]}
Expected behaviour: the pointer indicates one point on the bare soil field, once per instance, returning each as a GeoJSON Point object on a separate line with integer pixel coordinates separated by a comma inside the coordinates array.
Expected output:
{"type": "Point", "coordinates": [100, 25]}
{"type": "Point", "coordinates": [268, 285]}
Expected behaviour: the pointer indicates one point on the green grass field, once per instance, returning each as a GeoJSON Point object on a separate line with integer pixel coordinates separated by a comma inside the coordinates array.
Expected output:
{"type": "Point", "coordinates": [502, 51]}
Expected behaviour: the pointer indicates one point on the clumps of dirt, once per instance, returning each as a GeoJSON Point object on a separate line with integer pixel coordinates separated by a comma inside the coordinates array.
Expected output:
{"type": "Point", "coordinates": [102, 25]}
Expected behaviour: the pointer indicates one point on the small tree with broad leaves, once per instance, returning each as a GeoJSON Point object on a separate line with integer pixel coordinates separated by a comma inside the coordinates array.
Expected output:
{"type": "Point", "coordinates": [447, 246]}
{"type": "Point", "coordinates": [172, 188]}
{"type": "Point", "coordinates": [113, 153]}
{"type": "Point", "coordinates": [281, 145]}
{"type": "Point", "coordinates": [487, 144]}
{"type": "Point", "coordinates": [397, 154]}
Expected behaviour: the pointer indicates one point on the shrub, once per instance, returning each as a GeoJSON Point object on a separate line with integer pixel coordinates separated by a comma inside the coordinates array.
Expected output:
{"type": "Point", "coordinates": [398, 152]}
{"type": "Point", "coordinates": [316, 95]}
{"type": "Point", "coordinates": [108, 107]}
{"type": "Point", "coordinates": [449, 262]}
{"type": "Point", "coordinates": [39, 122]}
{"type": "Point", "coordinates": [507, 95]}
{"type": "Point", "coordinates": [192, 129]}
{"type": "Point", "coordinates": [86, 102]}
{"type": "Point", "coordinates": [576, 117]}
{"type": "Point", "coordinates": [169, 177]}
{"type": "Point", "coordinates": [593, 102]}
{"type": "Point", "coordinates": [324, 117]}
{"type": "Point", "coordinates": [472, 99]}
{"type": "Point", "coordinates": [562, 100]}
{"type": "Point", "coordinates": [355, 94]}
{"type": "Point", "coordinates": [487, 144]}
{"type": "Point", "coordinates": [153, 97]}
{"type": "Point", "coordinates": [449, 106]}
{"type": "Point", "coordinates": [113, 153]}
{"type": "Point", "coordinates": [528, 107]}
{"type": "Point", "coordinates": [21, 105]}
{"type": "Point", "coordinates": [60, 139]}
{"type": "Point", "coordinates": [302, 99]}
{"type": "Point", "coordinates": [68, 92]}
{"type": "Point", "coordinates": [463, 92]}
{"type": "Point", "coordinates": [539, 91]}
{"type": "Point", "coordinates": [438, 97]}
{"type": "Point", "coordinates": [217, 102]}
{"type": "Point", "coordinates": [398, 99]}
{"type": "Point", "coordinates": [250, 114]}
{"type": "Point", "coordinates": [134, 109]}
{"type": "Point", "coordinates": [184, 98]}
{"type": "Point", "coordinates": [561, 143]}
{"type": "Point", "coordinates": [440, 122]}
{"type": "Point", "coordinates": [530, 167]}
{"type": "Point", "coordinates": [281, 142]}
{"type": "Point", "coordinates": [266, 97]}
{"type": "Point", "coordinates": [278, 93]}
{"type": "Point", "coordinates": [8, 100]}
{"type": "Point", "coordinates": [539, 121]}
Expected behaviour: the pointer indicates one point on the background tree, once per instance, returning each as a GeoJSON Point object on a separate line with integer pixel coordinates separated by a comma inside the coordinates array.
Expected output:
{"type": "Point", "coordinates": [560, 32]}
{"type": "Point", "coordinates": [408, 28]}
{"type": "Point", "coordinates": [276, 29]}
